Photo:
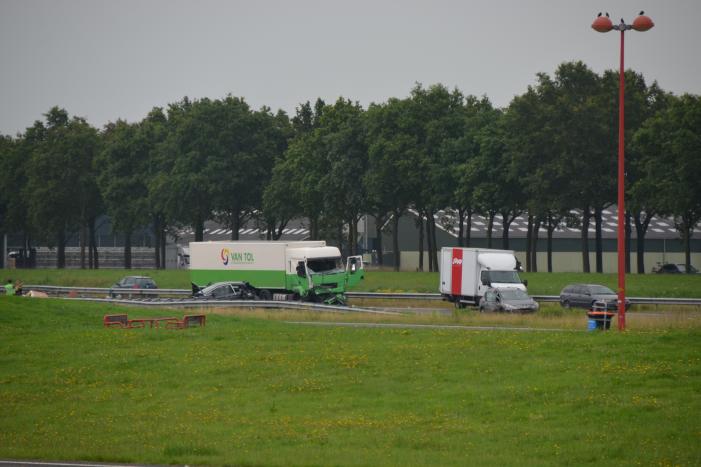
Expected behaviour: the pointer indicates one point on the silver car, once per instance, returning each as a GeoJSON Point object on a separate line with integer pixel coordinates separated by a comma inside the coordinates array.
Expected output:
{"type": "Point", "coordinates": [511, 300]}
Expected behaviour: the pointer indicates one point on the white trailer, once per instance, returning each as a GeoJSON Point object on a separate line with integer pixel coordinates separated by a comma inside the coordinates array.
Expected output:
{"type": "Point", "coordinates": [466, 273]}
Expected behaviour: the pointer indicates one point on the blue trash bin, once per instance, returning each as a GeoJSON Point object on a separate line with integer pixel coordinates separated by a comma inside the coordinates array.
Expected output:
{"type": "Point", "coordinates": [591, 325]}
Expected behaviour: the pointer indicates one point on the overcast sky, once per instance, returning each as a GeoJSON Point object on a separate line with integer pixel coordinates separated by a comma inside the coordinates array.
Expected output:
{"type": "Point", "coordinates": [105, 60]}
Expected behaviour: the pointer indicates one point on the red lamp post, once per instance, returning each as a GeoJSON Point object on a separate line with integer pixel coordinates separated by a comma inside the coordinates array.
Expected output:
{"type": "Point", "coordinates": [604, 24]}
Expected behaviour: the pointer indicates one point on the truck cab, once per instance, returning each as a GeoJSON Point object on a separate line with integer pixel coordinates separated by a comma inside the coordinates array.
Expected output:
{"type": "Point", "coordinates": [319, 274]}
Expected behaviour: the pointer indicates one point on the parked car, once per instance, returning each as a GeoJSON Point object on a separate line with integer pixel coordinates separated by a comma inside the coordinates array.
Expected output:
{"type": "Point", "coordinates": [674, 269]}
{"type": "Point", "coordinates": [507, 299]}
{"type": "Point", "coordinates": [225, 291]}
{"type": "Point", "coordinates": [586, 295]}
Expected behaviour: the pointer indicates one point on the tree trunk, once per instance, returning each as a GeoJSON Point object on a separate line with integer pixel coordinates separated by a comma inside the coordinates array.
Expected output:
{"type": "Point", "coordinates": [199, 230]}
{"type": "Point", "coordinates": [352, 233]}
{"type": "Point", "coordinates": [61, 256]}
{"type": "Point", "coordinates": [434, 241]}
{"type": "Point", "coordinates": [339, 239]}
{"type": "Point", "coordinates": [505, 225]}
{"type": "Point", "coordinates": [490, 227]}
{"type": "Point", "coordinates": [395, 240]}
{"type": "Point", "coordinates": [379, 221]}
{"type": "Point", "coordinates": [433, 250]}
{"type": "Point", "coordinates": [550, 247]}
{"type": "Point", "coordinates": [127, 250]}
{"type": "Point", "coordinates": [534, 245]}
{"type": "Point", "coordinates": [627, 242]}
{"type": "Point", "coordinates": [83, 235]}
{"type": "Point", "coordinates": [598, 241]}
{"type": "Point", "coordinates": [313, 228]}
{"type": "Point", "coordinates": [586, 216]}
{"type": "Point", "coordinates": [420, 224]}
{"type": "Point", "coordinates": [468, 228]}
{"type": "Point", "coordinates": [529, 234]}
{"type": "Point", "coordinates": [641, 226]}
{"type": "Point", "coordinates": [157, 241]}
{"type": "Point", "coordinates": [235, 225]}
{"type": "Point", "coordinates": [687, 225]}
{"type": "Point", "coordinates": [429, 239]}
{"type": "Point", "coordinates": [164, 239]}
{"type": "Point", "coordinates": [94, 260]}
{"type": "Point", "coordinates": [461, 227]}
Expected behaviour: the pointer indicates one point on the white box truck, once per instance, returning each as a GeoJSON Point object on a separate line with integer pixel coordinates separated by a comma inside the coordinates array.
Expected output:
{"type": "Point", "coordinates": [466, 273]}
{"type": "Point", "coordinates": [306, 270]}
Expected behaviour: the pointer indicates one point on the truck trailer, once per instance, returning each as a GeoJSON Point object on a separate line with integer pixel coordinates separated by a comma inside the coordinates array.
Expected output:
{"type": "Point", "coordinates": [466, 273]}
{"type": "Point", "coordinates": [280, 270]}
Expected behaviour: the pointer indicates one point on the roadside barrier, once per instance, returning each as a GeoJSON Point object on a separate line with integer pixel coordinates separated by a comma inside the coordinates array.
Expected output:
{"type": "Point", "coordinates": [143, 293]}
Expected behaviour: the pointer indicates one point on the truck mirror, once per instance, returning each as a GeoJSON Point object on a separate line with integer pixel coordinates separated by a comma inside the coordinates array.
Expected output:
{"type": "Point", "coordinates": [353, 265]}
{"type": "Point", "coordinates": [525, 282]}
{"type": "Point", "coordinates": [301, 272]}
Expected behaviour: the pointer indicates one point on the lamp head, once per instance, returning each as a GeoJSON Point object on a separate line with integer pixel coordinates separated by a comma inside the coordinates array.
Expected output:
{"type": "Point", "coordinates": [642, 22]}
{"type": "Point", "coordinates": [602, 24]}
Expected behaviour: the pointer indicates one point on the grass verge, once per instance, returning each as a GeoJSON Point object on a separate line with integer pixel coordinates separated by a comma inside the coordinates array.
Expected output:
{"type": "Point", "coordinates": [251, 391]}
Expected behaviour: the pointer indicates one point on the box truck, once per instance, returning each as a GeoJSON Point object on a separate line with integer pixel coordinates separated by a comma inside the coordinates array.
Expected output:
{"type": "Point", "coordinates": [466, 273]}
{"type": "Point", "coordinates": [300, 270]}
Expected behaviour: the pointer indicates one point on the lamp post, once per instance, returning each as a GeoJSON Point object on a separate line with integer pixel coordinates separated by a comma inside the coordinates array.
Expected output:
{"type": "Point", "coordinates": [604, 24]}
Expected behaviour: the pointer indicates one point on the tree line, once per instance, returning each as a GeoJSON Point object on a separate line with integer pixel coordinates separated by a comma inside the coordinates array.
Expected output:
{"type": "Point", "coordinates": [550, 153]}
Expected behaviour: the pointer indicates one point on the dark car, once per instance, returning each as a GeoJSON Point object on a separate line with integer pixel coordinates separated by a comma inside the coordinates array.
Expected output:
{"type": "Point", "coordinates": [675, 269]}
{"type": "Point", "coordinates": [132, 282]}
{"type": "Point", "coordinates": [224, 291]}
{"type": "Point", "coordinates": [135, 282]}
{"type": "Point", "coordinates": [509, 299]}
{"type": "Point", "coordinates": [587, 295]}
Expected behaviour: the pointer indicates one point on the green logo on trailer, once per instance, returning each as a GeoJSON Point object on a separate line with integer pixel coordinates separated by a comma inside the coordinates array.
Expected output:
{"type": "Point", "coordinates": [227, 256]}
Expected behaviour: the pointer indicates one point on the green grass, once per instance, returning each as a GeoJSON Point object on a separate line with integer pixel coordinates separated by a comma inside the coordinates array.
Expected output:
{"type": "Point", "coordinates": [247, 391]}
{"type": "Point", "coordinates": [540, 283]}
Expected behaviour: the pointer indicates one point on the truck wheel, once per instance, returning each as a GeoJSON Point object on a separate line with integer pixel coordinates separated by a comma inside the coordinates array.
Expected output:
{"type": "Point", "coordinates": [266, 295]}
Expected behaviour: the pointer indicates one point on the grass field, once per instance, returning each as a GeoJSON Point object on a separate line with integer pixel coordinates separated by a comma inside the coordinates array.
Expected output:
{"type": "Point", "coordinates": [645, 285]}
{"type": "Point", "coordinates": [251, 389]}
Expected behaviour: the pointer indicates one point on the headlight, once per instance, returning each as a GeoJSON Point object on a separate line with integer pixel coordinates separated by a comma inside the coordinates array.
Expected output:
{"type": "Point", "coordinates": [508, 307]}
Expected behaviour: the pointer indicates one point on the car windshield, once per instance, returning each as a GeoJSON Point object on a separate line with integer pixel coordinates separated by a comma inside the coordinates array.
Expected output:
{"type": "Point", "coordinates": [682, 268]}
{"type": "Point", "coordinates": [502, 277]}
{"type": "Point", "coordinates": [325, 264]}
{"type": "Point", "coordinates": [601, 290]}
{"type": "Point", "coordinates": [513, 294]}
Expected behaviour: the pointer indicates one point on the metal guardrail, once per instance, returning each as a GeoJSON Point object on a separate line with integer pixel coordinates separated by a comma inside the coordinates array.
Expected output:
{"type": "Point", "coordinates": [52, 289]}
{"type": "Point", "coordinates": [266, 304]}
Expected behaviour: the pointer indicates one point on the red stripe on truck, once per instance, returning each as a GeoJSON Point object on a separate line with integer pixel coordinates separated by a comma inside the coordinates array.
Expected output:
{"type": "Point", "coordinates": [456, 272]}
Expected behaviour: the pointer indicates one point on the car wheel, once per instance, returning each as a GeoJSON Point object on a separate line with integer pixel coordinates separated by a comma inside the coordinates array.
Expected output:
{"type": "Point", "coordinates": [266, 295]}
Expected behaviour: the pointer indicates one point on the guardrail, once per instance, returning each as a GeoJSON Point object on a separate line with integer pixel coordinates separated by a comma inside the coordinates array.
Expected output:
{"type": "Point", "coordinates": [267, 304]}
{"type": "Point", "coordinates": [58, 290]}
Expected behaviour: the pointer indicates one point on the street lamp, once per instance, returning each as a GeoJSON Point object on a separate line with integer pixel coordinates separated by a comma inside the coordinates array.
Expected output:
{"type": "Point", "coordinates": [604, 24]}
